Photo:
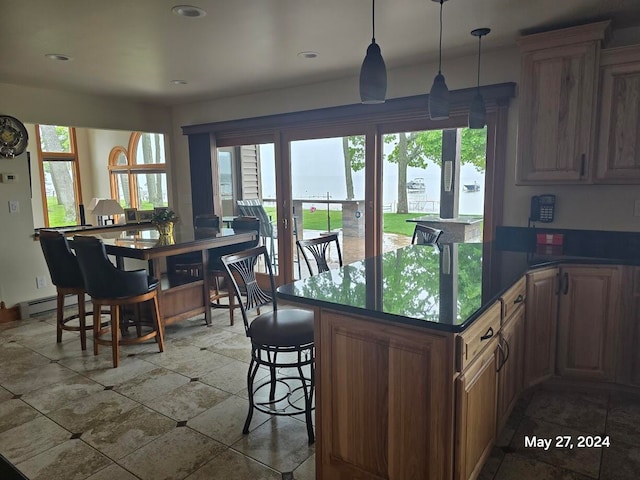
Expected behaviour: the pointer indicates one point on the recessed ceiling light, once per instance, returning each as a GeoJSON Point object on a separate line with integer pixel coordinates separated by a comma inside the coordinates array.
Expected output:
{"type": "Point", "coordinates": [188, 11]}
{"type": "Point", "coordinates": [308, 54]}
{"type": "Point", "coordinates": [179, 82]}
{"type": "Point", "coordinates": [60, 57]}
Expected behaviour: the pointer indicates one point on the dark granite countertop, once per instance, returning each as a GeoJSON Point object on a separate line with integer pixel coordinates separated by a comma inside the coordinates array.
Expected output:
{"type": "Point", "coordinates": [421, 285]}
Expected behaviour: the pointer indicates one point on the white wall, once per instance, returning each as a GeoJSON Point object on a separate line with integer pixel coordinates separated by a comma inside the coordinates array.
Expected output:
{"type": "Point", "coordinates": [603, 207]}
{"type": "Point", "coordinates": [21, 259]}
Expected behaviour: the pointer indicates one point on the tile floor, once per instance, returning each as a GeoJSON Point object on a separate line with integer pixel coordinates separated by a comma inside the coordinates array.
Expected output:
{"type": "Point", "coordinates": [68, 415]}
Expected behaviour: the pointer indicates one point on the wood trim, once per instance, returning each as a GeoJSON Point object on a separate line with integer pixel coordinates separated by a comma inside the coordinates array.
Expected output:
{"type": "Point", "coordinates": [565, 36]}
{"type": "Point", "coordinates": [619, 55]}
{"type": "Point", "coordinates": [9, 314]}
{"type": "Point", "coordinates": [413, 107]}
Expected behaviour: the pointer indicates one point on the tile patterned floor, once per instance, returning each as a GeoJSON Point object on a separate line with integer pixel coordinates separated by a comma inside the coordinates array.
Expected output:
{"type": "Point", "coordinates": [68, 415]}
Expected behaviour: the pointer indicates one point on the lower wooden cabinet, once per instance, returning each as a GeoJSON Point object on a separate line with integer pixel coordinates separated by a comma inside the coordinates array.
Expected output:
{"type": "Point", "coordinates": [628, 369]}
{"type": "Point", "coordinates": [540, 325]}
{"type": "Point", "coordinates": [510, 365]}
{"type": "Point", "coordinates": [588, 321]}
{"type": "Point", "coordinates": [476, 401]}
{"type": "Point", "coordinates": [384, 404]}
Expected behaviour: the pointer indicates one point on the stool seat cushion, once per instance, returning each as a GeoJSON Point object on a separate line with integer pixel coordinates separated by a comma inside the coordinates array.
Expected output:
{"type": "Point", "coordinates": [283, 328]}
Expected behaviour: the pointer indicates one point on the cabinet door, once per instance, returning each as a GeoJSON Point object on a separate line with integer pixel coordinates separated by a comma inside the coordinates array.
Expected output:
{"type": "Point", "coordinates": [476, 398]}
{"type": "Point", "coordinates": [628, 363]}
{"type": "Point", "coordinates": [511, 365]}
{"type": "Point", "coordinates": [588, 322]}
{"type": "Point", "coordinates": [555, 120]}
{"type": "Point", "coordinates": [540, 325]}
{"type": "Point", "coordinates": [619, 131]}
{"type": "Point", "coordinates": [384, 405]}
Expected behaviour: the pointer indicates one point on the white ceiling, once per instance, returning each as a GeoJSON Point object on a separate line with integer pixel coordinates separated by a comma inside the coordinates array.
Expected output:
{"type": "Point", "coordinates": [135, 48]}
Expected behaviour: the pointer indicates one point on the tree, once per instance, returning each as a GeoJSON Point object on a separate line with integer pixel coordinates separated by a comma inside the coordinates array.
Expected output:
{"type": "Point", "coordinates": [353, 156]}
{"type": "Point", "coordinates": [418, 149]}
{"type": "Point", "coordinates": [414, 149]}
{"type": "Point", "coordinates": [56, 139]}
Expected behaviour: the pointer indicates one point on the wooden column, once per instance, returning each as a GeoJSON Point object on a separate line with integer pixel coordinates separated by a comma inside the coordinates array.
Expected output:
{"type": "Point", "coordinates": [450, 163]}
{"type": "Point", "coordinates": [203, 162]}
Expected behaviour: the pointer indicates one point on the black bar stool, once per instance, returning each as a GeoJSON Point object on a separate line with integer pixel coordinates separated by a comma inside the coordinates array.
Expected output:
{"type": "Point", "coordinates": [318, 248]}
{"type": "Point", "coordinates": [66, 276]}
{"type": "Point", "coordinates": [115, 288]}
{"type": "Point", "coordinates": [281, 338]}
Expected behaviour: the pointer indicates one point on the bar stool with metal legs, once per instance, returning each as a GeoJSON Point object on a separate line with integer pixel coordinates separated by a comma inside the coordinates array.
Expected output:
{"type": "Point", "coordinates": [318, 247]}
{"type": "Point", "coordinates": [66, 276]}
{"type": "Point", "coordinates": [110, 286]}
{"type": "Point", "coordinates": [280, 338]}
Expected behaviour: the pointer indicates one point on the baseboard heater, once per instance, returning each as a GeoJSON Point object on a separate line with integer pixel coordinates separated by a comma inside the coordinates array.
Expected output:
{"type": "Point", "coordinates": [42, 305]}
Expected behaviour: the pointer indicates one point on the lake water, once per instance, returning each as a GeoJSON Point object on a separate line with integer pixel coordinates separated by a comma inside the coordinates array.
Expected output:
{"type": "Point", "coordinates": [318, 169]}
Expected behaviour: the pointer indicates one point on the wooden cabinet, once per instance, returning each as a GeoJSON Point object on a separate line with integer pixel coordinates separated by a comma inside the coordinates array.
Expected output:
{"type": "Point", "coordinates": [558, 88]}
{"type": "Point", "coordinates": [476, 400]}
{"type": "Point", "coordinates": [628, 371]}
{"type": "Point", "coordinates": [588, 322]}
{"type": "Point", "coordinates": [540, 325]}
{"type": "Point", "coordinates": [618, 157]}
{"type": "Point", "coordinates": [510, 364]}
{"type": "Point", "coordinates": [384, 404]}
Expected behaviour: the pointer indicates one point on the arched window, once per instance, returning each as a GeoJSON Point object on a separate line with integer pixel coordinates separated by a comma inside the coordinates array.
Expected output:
{"type": "Point", "coordinates": [138, 174]}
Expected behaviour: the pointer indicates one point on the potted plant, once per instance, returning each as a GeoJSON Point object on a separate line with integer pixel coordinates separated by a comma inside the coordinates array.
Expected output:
{"type": "Point", "coordinates": [163, 219]}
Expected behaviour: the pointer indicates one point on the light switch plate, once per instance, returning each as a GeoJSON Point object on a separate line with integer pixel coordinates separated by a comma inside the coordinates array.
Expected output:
{"type": "Point", "coordinates": [14, 206]}
{"type": "Point", "coordinates": [8, 177]}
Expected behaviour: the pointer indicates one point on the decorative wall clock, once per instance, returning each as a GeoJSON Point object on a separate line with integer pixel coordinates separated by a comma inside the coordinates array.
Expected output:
{"type": "Point", "coordinates": [13, 137]}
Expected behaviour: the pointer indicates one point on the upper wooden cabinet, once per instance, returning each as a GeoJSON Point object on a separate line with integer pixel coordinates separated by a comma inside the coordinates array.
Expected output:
{"type": "Point", "coordinates": [557, 103]}
{"type": "Point", "coordinates": [618, 154]}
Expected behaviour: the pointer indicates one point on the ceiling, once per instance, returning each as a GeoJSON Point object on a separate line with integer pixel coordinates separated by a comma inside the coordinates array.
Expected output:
{"type": "Point", "coordinates": [135, 49]}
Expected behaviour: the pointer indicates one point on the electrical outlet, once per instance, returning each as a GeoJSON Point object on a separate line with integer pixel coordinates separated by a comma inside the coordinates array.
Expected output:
{"type": "Point", "coordinates": [41, 282]}
{"type": "Point", "coordinates": [636, 209]}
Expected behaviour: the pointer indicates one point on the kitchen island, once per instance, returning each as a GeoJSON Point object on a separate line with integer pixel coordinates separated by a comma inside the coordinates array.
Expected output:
{"type": "Point", "coordinates": [406, 359]}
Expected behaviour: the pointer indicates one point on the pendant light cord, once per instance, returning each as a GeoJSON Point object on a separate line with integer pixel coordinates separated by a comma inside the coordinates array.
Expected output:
{"type": "Point", "coordinates": [440, 45]}
{"type": "Point", "coordinates": [479, 53]}
{"type": "Point", "coordinates": [373, 21]}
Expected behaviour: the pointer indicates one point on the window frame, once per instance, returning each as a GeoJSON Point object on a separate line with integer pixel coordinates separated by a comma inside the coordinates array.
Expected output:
{"type": "Point", "coordinates": [131, 168]}
{"type": "Point", "coordinates": [71, 156]}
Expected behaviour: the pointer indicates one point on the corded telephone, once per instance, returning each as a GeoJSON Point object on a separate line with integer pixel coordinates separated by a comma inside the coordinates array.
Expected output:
{"type": "Point", "coordinates": [542, 208]}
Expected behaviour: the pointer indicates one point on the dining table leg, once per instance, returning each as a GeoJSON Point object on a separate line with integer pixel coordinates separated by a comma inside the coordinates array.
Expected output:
{"type": "Point", "coordinates": [205, 285]}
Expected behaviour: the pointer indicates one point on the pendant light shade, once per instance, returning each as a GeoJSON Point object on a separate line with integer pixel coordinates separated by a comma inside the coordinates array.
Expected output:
{"type": "Point", "coordinates": [439, 94]}
{"type": "Point", "coordinates": [373, 73]}
{"type": "Point", "coordinates": [477, 109]}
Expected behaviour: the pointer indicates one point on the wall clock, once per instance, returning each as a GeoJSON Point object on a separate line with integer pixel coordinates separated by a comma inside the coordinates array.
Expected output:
{"type": "Point", "coordinates": [13, 137]}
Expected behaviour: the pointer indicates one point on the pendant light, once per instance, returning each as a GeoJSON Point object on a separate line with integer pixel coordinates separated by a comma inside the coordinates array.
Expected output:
{"type": "Point", "coordinates": [477, 109]}
{"type": "Point", "coordinates": [439, 94]}
{"type": "Point", "coordinates": [373, 73]}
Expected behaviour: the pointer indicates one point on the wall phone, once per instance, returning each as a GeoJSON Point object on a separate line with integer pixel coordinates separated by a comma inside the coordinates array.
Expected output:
{"type": "Point", "coordinates": [542, 208]}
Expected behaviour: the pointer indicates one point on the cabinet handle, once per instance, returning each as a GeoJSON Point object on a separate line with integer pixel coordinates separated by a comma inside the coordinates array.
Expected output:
{"type": "Point", "coordinates": [583, 161]}
{"type": "Point", "coordinates": [487, 335]}
{"type": "Point", "coordinates": [508, 350]}
{"type": "Point", "coordinates": [501, 357]}
{"type": "Point", "coordinates": [566, 283]}
{"type": "Point", "coordinates": [519, 299]}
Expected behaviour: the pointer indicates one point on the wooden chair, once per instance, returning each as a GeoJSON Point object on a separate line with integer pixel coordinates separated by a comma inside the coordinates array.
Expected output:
{"type": "Point", "coordinates": [109, 286]}
{"type": "Point", "coordinates": [318, 248]}
{"type": "Point", "coordinates": [66, 276]}
{"type": "Point", "coordinates": [280, 339]}
{"type": "Point", "coordinates": [423, 235]}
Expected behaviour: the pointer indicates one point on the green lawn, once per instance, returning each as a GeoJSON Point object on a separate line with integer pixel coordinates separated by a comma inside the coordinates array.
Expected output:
{"type": "Point", "coordinates": [317, 220]}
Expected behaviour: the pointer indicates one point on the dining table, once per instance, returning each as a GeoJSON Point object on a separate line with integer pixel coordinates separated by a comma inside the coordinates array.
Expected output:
{"type": "Point", "coordinates": [180, 296]}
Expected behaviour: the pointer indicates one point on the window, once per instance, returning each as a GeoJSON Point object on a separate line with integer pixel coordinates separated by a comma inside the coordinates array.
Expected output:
{"type": "Point", "coordinates": [138, 174]}
{"type": "Point", "coordinates": [59, 174]}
